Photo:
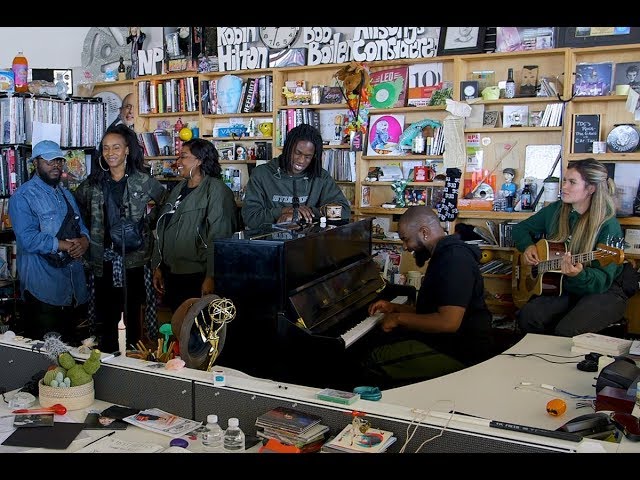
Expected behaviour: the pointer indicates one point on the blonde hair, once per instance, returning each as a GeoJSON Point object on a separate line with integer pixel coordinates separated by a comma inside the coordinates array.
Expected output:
{"type": "Point", "coordinates": [601, 208]}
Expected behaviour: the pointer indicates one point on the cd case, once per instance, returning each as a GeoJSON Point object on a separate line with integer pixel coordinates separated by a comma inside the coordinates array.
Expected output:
{"type": "Point", "coordinates": [337, 396]}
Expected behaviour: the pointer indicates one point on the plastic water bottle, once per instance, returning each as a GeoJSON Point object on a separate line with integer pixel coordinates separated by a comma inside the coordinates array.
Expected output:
{"type": "Point", "coordinates": [212, 435]}
{"type": "Point", "coordinates": [233, 436]}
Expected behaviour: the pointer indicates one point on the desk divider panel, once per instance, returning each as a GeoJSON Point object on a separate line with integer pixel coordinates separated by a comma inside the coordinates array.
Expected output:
{"type": "Point", "coordinates": [18, 365]}
{"type": "Point", "coordinates": [195, 400]}
{"type": "Point", "coordinates": [247, 406]}
{"type": "Point", "coordinates": [141, 390]}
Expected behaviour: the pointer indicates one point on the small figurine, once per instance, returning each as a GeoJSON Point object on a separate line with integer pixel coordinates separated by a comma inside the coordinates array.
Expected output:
{"type": "Point", "coordinates": [508, 188]}
{"type": "Point", "coordinates": [136, 39]}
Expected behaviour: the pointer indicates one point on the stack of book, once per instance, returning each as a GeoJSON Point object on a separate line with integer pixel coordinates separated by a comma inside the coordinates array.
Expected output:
{"type": "Point", "coordinates": [351, 440]}
{"type": "Point", "coordinates": [594, 342]}
{"type": "Point", "coordinates": [291, 431]}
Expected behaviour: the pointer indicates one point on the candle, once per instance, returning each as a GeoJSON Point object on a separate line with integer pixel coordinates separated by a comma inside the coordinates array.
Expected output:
{"type": "Point", "coordinates": [122, 336]}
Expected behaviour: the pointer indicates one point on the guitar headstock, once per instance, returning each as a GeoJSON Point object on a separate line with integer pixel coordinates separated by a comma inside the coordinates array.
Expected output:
{"type": "Point", "coordinates": [610, 252]}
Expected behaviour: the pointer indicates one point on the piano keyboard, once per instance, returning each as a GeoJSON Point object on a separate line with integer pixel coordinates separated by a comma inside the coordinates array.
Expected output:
{"type": "Point", "coordinates": [358, 331]}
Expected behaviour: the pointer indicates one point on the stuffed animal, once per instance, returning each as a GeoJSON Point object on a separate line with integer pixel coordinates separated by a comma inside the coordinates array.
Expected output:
{"type": "Point", "coordinates": [354, 77]}
{"type": "Point", "coordinates": [79, 374]}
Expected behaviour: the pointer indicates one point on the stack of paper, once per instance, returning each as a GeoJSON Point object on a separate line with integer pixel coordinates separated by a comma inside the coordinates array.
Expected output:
{"type": "Point", "coordinates": [594, 342]}
{"type": "Point", "coordinates": [352, 441]}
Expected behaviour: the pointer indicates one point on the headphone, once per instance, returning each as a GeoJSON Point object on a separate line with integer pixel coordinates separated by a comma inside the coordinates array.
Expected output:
{"type": "Point", "coordinates": [590, 362]}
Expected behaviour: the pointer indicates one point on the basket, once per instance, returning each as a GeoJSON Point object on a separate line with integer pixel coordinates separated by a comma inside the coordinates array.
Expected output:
{"type": "Point", "coordinates": [74, 398]}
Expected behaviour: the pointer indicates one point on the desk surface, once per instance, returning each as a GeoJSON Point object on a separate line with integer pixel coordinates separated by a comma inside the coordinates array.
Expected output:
{"type": "Point", "coordinates": [490, 390]}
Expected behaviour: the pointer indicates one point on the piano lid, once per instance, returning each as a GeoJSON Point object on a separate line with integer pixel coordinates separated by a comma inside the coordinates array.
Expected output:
{"type": "Point", "coordinates": [326, 301]}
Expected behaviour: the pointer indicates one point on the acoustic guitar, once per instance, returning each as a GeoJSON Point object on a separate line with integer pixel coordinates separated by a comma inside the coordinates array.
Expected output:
{"type": "Point", "coordinates": [546, 278]}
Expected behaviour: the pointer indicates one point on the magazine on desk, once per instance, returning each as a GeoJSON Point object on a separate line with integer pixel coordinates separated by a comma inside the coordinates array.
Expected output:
{"type": "Point", "coordinates": [159, 421]}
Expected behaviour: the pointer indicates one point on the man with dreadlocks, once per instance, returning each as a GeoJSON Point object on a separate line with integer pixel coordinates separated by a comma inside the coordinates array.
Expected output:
{"type": "Point", "coordinates": [293, 186]}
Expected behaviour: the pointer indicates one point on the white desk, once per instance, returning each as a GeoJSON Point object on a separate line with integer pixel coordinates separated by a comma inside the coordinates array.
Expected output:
{"type": "Point", "coordinates": [491, 389]}
{"type": "Point", "coordinates": [486, 390]}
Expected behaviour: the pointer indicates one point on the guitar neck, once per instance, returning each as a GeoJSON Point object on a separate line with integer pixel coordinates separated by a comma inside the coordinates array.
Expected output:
{"type": "Point", "coordinates": [555, 264]}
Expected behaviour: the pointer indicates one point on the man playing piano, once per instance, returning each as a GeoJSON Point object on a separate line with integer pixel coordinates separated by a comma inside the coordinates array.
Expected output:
{"type": "Point", "coordinates": [293, 186]}
{"type": "Point", "coordinates": [449, 327]}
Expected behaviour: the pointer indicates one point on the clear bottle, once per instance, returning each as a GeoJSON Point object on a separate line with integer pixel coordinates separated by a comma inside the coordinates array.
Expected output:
{"type": "Point", "coordinates": [20, 69]}
{"type": "Point", "coordinates": [510, 87]}
{"type": "Point", "coordinates": [233, 436]}
{"type": "Point", "coordinates": [212, 435]}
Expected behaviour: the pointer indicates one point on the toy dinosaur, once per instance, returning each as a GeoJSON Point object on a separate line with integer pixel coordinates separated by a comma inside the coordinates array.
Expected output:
{"type": "Point", "coordinates": [406, 137]}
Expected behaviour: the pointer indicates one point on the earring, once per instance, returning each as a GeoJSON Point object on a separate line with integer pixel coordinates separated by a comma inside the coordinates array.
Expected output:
{"type": "Point", "coordinates": [100, 163]}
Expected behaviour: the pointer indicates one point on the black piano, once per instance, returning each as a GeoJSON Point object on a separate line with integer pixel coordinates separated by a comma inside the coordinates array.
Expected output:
{"type": "Point", "coordinates": [301, 296]}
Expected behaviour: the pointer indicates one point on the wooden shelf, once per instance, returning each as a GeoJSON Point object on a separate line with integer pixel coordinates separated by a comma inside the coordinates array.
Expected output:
{"type": "Point", "coordinates": [414, 184]}
{"type": "Point", "coordinates": [319, 106]}
{"type": "Point", "coordinates": [238, 139]}
{"type": "Point", "coordinates": [491, 215]}
{"type": "Point", "coordinates": [169, 114]}
{"type": "Point", "coordinates": [382, 211]}
{"type": "Point", "coordinates": [599, 98]}
{"type": "Point", "coordinates": [402, 157]}
{"type": "Point", "coordinates": [385, 240]}
{"type": "Point", "coordinates": [234, 115]}
{"type": "Point", "coordinates": [429, 108]}
{"type": "Point", "coordinates": [111, 84]}
{"type": "Point", "coordinates": [607, 157]}
{"type": "Point", "coordinates": [511, 101]}
{"type": "Point", "coordinates": [513, 129]}
{"type": "Point", "coordinates": [629, 221]}
{"type": "Point", "coordinates": [342, 146]}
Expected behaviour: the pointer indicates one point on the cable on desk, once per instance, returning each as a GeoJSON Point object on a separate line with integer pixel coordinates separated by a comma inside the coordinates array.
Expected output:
{"type": "Point", "coordinates": [542, 355]}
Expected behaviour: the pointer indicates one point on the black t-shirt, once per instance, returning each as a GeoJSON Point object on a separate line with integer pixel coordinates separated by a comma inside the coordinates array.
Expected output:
{"type": "Point", "coordinates": [453, 278]}
{"type": "Point", "coordinates": [113, 192]}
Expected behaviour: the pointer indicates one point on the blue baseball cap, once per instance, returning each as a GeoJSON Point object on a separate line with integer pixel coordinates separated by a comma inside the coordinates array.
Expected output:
{"type": "Point", "coordinates": [47, 149]}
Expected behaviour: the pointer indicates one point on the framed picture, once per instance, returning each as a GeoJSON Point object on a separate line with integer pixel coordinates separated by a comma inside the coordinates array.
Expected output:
{"type": "Point", "coordinates": [627, 73]}
{"type": "Point", "coordinates": [597, 36]}
{"type": "Point", "coordinates": [491, 119]}
{"type": "Point", "coordinates": [514, 39]}
{"type": "Point", "coordinates": [458, 40]}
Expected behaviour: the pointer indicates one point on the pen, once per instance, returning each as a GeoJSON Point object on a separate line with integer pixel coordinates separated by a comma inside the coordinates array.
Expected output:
{"type": "Point", "coordinates": [572, 437]}
{"type": "Point", "coordinates": [104, 436]}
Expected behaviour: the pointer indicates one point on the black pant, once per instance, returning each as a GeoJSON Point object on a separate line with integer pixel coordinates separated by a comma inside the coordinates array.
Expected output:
{"type": "Point", "coordinates": [110, 305]}
{"type": "Point", "coordinates": [180, 287]}
{"type": "Point", "coordinates": [567, 315]}
{"type": "Point", "coordinates": [39, 318]}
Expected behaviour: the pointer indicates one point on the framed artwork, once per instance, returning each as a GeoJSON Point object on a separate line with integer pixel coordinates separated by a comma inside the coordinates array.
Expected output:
{"type": "Point", "coordinates": [627, 73]}
{"type": "Point", "coordinates": [491, 119]}
{"type": "Point", "coordinates": [593, 79]}
{"type": "Point", "coordinates": [458, 40]}
{"type": "Point", "coordinates": [384, 134]}
{"type": "Point", "coordinates": [514, 39]}
{"type": "Point", "coordinates": [597, 36]}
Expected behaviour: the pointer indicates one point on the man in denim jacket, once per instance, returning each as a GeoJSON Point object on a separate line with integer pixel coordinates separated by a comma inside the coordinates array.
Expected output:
{"type": "Point", "coordinates": [52, 295]}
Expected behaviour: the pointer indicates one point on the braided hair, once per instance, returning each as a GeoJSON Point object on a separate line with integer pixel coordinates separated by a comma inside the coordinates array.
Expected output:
{"type": "Point", "coordinates": [302, 133]}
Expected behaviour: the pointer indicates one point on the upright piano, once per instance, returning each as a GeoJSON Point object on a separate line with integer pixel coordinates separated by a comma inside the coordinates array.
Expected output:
{"type": "Point", "coordinates": [301, 297]}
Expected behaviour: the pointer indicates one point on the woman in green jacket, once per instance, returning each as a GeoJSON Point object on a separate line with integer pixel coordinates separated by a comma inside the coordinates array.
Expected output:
{"type": "Point", "coordinates": [198, 210]}
{"type": "Point", "coordinates": [592, 297]}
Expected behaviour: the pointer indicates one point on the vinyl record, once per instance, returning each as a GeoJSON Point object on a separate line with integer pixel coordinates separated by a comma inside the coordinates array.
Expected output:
{"type": "Point", "coordinates": [484, 192]}
{"type": "Point", "coordinates": [384, 95]}
{"type": "Point", "coordinates": [114, 102]}
{"type": "Point", "coordinates": [623, 138]}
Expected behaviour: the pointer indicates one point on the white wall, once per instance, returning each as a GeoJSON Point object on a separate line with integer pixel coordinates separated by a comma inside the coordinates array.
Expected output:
{"type": "Point", "coordinates": [54, 47]}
